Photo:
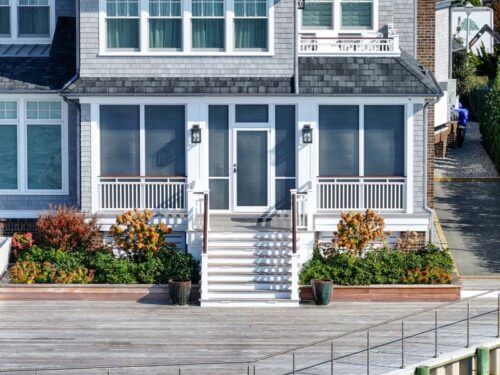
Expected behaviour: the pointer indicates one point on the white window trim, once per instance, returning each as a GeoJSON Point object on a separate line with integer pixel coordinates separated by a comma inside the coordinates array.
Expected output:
{"type": "Point", "coordinates": [22, 152]}
{"type": "Point", "coordinates": [144, 49]}
{"type": "Point", "coordinates": [14, 37]}
{"type": "Point", "coordinates": [337, 22]}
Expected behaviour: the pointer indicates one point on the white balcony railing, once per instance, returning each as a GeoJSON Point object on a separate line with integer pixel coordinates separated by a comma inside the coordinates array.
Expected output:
{"type": "Point", "coordinates": [360, 193]}
{"type": "Point", "coordinates": [152, 193]}
{"type": "Point", "coordinates": [349, 46]}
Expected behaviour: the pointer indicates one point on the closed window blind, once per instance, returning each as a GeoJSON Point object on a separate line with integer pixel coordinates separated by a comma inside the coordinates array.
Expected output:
{"type": "Point", "coordinates": [33, 18]}
{"type": "Point", "coordinates": [318, 15]}
{"type": "Point", "coordinates": [384, 140]}
{"type": "Point", "coordinates": [357, 14]}
{"type": "Point", "coordinates": [120, 146]}
{"type": "Point", "coordinates": [165, 140]}
{"type": "Point", "coordinates": [284, 154]}
{"type": "Point", "coordinates": [165, 24]}
{"type": "Point", "coordinates": [338, 140]}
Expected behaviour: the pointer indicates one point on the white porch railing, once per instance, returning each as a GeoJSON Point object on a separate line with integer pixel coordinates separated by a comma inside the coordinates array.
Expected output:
{"type": "Point", "coordinates": [152, 193]}
{"type": "Point", "coordinates": [349, 46]}
{"type": "Point", "coordinates": [360, 193]}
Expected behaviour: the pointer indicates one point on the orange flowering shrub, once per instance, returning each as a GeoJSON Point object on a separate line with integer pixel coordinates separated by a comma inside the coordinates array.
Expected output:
{"type": "Point", "coordinates": [20, 243]}
{"type": "Point", "coordinates": [27, 272]}
{"type": "Point", "coordinates": [428, 275]}
{"type": "Point", "coordinates": [134, 234]}
{"type": "Point", "coordinates": [67, 229]}
{"type": "Point", "coordinates": [358, 230]}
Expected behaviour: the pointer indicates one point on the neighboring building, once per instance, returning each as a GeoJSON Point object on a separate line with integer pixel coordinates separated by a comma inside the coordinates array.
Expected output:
{"type": "Point", "coordinates": [173, 101]}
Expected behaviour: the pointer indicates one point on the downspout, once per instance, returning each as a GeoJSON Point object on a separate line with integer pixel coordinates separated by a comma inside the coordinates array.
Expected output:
{"type": "Point", "coordinates": [295, 49]}
{"type": "Point", "coordinates": [426, 155]}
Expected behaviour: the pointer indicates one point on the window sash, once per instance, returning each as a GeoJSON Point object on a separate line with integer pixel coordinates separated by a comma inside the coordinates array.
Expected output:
{"type": "Point", "coordinates": [33, 18]}
{"type": "Point", "coordinates": [9, 158]}
{"type": "Point", "coordinates": [353, 20]}
{"type": "Point", "coordinates": [205, 38]}
{"type": "Point", "coordinates": [5, 23]}
{"type": "Point", "coordinates": [313, 18]}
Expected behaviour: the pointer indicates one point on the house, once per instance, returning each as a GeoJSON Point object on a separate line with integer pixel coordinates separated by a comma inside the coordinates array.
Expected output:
{"type": "Point", "coordinates": [246, 125]}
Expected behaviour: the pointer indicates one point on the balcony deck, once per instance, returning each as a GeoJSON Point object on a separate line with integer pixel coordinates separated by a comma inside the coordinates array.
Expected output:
{"type": "Point", "coordinates": [311, 45]}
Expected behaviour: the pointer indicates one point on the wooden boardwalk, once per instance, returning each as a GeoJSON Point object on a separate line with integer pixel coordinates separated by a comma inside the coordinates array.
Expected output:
{"type": "Point", "coordinates": [113, 334]}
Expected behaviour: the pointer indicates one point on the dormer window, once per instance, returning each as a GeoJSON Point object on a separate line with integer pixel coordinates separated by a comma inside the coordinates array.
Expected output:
{"type": "Point", "coordinates": [27, 21]}
{"type": "Point", "coordinates": [33, 18]}
{"type": "Point", "coordinates": [340, 15]}
{"type": "Point", "coordinates": [4, 18]}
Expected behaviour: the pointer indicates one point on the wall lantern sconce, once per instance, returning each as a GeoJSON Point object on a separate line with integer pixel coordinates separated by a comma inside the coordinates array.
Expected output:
{"type": "Point", "coordinates": [196, 134]}
{"type": "Point", "coordinates": [301, 4]}
{"type": "Point", "coordinates": [307, 134]}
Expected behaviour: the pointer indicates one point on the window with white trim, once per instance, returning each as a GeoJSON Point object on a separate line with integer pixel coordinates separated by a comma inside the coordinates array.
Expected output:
{"type": "Point", "coordinates": [356, 14]}
{"type": "Point", "coordinates": [36, 135]}
{"type": "Point", "coordinates": [122, 24]}
{"type": "Point", "coordinates": [208, 25]}
{"type": "Point", "coordinates": [157, 27]}
{"type": "Point", "coordinates": [165, 24]}
{"type": "Point", "coordinates": [339, 15]}
{"type": "Point", "coordinates": [27, 21]}
{"type": "Point", "coordinates": [250, 24]}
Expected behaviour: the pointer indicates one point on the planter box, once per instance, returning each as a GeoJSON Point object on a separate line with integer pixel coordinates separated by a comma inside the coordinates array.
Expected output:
{"type": "Point", "coordinates": [390, 293]}
{"type": "Point", "coordinates": [91, 292]}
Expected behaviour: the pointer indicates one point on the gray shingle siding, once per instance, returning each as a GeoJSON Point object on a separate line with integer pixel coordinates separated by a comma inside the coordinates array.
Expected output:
{"type": "Point", "coordinates": [404, 21]}
{"type": "Point", "coordinates": [279, 65]}
{"type": "Point", "coordinates": [42, 202]}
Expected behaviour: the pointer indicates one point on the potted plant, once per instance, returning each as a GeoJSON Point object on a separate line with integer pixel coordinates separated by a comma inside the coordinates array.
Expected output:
{"type": "Point", "coordinates": [179, 284]}
{"type": "Point", "coordinates": [322, 291]}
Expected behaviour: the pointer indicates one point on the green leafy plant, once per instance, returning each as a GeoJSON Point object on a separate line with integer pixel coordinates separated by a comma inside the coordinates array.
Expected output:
{"type": "Point", "coordinates": [490, 121]}
{"type": "Point", "coordinates": [20, 243]}
{"type": "Point", "coordinates": [28, 272]}
{"type": "Point", "coordinates": [178, 266]}
{"type": "Point", "coordinates": [112, 270]}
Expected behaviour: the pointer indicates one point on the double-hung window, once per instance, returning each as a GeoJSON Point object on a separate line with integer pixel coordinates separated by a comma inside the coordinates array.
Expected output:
{"type": "Point", "coordinates": [250, 24]}
{"type": "Point", "coordinates": [122, 24]}
{"type": "Point", "coordinates": [318, 14]}
{"type": "Point", "coordinates": [208, 25]}
{"type": "Point", "coordinates": [8, 150]}
{"type": "Point", "coordinates": [33, 18]}
{"type": "Point", "coordinates": [4, 18]}
{"type": "Point", "coordinates": [165, 24]}
{"type": "Point", "coordinates": [34, 152]}
{"type": "Point", "coordinates": [357, 14]}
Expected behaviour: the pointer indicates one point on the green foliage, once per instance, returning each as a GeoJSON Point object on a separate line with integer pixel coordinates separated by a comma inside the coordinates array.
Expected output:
{"type": "Point", "coordinates": [490, 121]}
{"type": "Point", "coordinates": [62, 260]}
{"type": "Point", "coordinates": [112, 270]}
{"type": "Point", "coordinates": [381, 266]}
{"type": "Point", "coordinates": [178, 266]}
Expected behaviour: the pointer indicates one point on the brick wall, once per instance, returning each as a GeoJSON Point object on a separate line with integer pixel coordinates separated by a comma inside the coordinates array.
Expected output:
{"type": "Point", "coordinates": [426, 55]}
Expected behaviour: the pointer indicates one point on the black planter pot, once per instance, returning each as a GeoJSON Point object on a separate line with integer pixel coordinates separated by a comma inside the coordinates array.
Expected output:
{"type": "Point", "coordinates": [179, 292]}
{"type": "Point", "coordinates": [322, 291]}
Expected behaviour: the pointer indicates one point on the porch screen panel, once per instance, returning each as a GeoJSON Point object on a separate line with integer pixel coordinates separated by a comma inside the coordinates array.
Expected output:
{"type": "Point", "coordinates": [285, 154]}
{"type": "Point", "coordinates": [338, 140]}
{"type": "Point", "coordinates": [120, 146]}
{"type": "Point", "coordinates": [165, 140]}
{"type": "Point", "coordinates": [44, 157]}
{"type": "Point", "coordinates": [252, 177]}
{"type": "Point", "coordinates": [8, 157]}
{"type": "Point", "coordinates": [218, 158]}
{"type": "Point", "coordinates": [384, 140]}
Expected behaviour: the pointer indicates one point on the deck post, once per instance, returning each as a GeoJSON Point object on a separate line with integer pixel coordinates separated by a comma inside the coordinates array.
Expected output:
{"type": "Point", "coordinates": [483, 361]}
{"type": "Point", "coordinates": [294, 222]}
{"type": "Point", "coordinates": [205, 222]}
{"type": "Point", "coordinates": [435, 334]}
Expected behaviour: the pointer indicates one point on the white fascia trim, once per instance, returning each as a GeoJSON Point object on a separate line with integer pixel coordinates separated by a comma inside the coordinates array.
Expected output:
{"type": "Point", "coordinates": [20, 214]}
{"type": "Point", "coordinates": [291, 99]}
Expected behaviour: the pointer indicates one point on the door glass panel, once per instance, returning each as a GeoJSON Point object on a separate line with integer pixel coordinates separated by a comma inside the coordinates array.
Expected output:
{"type": "Point", "coordinates": [252, 168]}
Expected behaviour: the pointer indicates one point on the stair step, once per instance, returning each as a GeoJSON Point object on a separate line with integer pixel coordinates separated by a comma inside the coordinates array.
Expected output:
{"type": "Point", "coordinates": [219, 277]}
{"type": "Point", "coordinates": [245, 286]}
{"type": "Point", "coordinates": [249, 303]}
{"type": "Point", "coordinates": [255, 261]}
{"type": "Point", "coordinates": [251, 235]}
{"type": "Point", "coordinates": [237, 243]}
{"type": "Point", "coordinates": [249, 251]}
{"type": "Point", "coordinates": [248, 269]}
{"type": "Point", "coordinates": [249, 294]}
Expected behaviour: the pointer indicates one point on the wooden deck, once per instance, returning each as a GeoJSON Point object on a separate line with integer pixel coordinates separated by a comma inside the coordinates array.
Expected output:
{"type": "Point", "coordinates": [113, 334]}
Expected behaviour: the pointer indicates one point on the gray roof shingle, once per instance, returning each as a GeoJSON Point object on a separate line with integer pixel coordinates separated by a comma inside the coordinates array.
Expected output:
{"type": "Point", "coordinates": [323, 76]}
{"type": "Point", "coordinates": [42, 72]}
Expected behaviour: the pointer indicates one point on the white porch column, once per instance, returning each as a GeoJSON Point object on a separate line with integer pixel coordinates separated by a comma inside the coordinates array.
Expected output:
{"type": "Point", "coordinates": [95, 166]}
{"type": "Point", "coordinates": [409, 157]}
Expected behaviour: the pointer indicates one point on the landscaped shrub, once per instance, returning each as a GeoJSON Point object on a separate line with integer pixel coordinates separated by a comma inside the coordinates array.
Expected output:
{"type": "Point", "coordinates": [134, 234]}
{"type": "Point", "coordinates": [66, 229]}
{"type": "Point", "coordinates": [112, 270]}
{"type": "Point", "coordinates": [490, 121]}
{"type": "Point", "coordinates": [380, 266]}
{"type": "Point", "coordinates": [20, 243]}
{"type": "Point", "coordinates": [27, 272]}
{"type": "Point", "coordinates": [178, 266]}
{"type": "Point", "coordinates": [62, 260]}
{"type": "Point", "coordinates": [356, 231]}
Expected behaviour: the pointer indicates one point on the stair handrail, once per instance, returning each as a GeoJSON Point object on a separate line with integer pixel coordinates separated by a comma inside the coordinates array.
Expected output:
{"type": "Point", "coordinates": [205, 221]}
{"type": "Point", "coordinates": [293, 196]}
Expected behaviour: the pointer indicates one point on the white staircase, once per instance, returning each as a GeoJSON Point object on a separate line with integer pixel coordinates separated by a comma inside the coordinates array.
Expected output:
{"type": "Point", "coordinates": [251, 269]}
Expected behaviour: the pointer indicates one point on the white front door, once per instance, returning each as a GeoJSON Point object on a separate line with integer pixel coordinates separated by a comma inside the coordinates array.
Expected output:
{"type": "Point", "coordinates": [251, 170]}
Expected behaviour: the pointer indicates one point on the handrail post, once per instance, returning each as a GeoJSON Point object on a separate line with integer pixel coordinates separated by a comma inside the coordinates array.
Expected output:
{"type": "Point", "coordinates": [436, 334]}
{"type": "Point", "coordinates": [293, 363]}
{"type": "Point", "coordinates": [368, 352]}
{"type": "Point", "coordinates": [205, 222]}
{"type": "Point", "coordinates": [294, 222]}
{"type": "Point", "coordinates": [468, 323]}
{"type": "Point", "coordinates": [402, 344]}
